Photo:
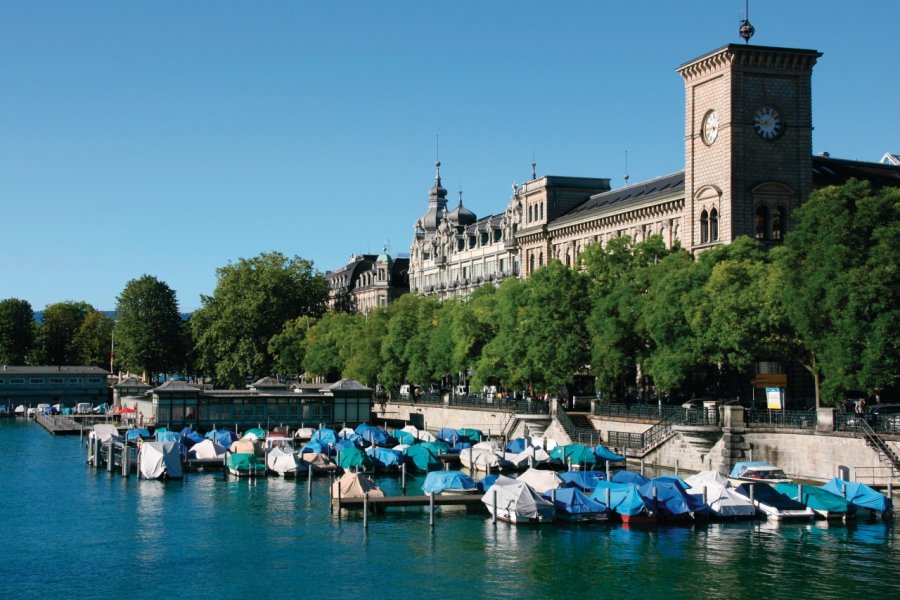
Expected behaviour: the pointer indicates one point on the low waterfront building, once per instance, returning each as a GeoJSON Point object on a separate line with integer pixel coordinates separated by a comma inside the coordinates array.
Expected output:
{"type": "Point", "coordinates": [68, 385]}
{"type": "Point", "coordinates": [267, 402]}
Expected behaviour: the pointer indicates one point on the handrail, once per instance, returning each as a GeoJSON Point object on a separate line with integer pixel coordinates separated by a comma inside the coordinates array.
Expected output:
{"type": "Point", "coordinates": [885, 454]}
{"type": "Point", "coordinates": [579, 435]}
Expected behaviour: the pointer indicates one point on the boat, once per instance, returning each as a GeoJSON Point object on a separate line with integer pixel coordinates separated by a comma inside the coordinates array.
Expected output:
{"type": "Point", "coordinates": [625, 499]}
{"type": "Point", "coordinates": [574, 456]}
{"type": "Point", "coordinates": [629, 477]}
{"type": "Point", "coordinates": [449, 435]}
{"type": "Point", "coordinates": [304, 434]}
{"type": "Point", "coordinates": [245, 464]}
{"type": "Point", "coordinates": [255, 434]}
{"type": "Point", "coordinates": [421, 459]}
{"type": "Point", "coordinates": [283, 461]}
{"type": "Point", "coordinates": [206, 454]}
{"type": "Point", "coordinates": [404, 437]}
{"type": "Point", "coordinates": [574, 506]}
{"type": "Point", "coordinates": [482, 459]}
{"type": "Point", "coordinates": [160, 460]}
{"type": "Point", "coordinates": [585, 481]}
{"type": "Point", "coordinates": [324, 436]}
{"type": "Point", "coordinates": [449, 483]}
{"type": "Point", "coordinates": [223, 437]}
{"type": "Point", "coordinates": [355, 485]}
{"type": "Point", "coordinates": [666, 497]}
{"type": "Point", "coordinates": [530, 457]}
{"type": "Point", "coordinates": [723, 501]}
{"type": "Point", "coordinates": [386, 459]}
{"type": "Point", "coordinates": [773, 504]}
{"type": "Point", "coordinates": [756, 472]}
{"type": "Point", "coordinates": [864, 501]}
{"type": "Point", "coordinates": [419, 434]}
{"type": "Point", "coordinates": [515, 502]}
{"type": "Point", "coordinates": [353, 458]}
{"type": "Point", "coordinates": [541, 481]}
{"type": "Point", "coordinates": [607, 456]}
{"type": "Point", "coordinates": [319, 462]}
{"type": "Point", "coordinates": [825, 504]}
{"type": "Point", "coordinates": [471, 434]}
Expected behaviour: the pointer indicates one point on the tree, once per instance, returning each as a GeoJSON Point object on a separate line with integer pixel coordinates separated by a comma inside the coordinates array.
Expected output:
{"type": "Point", "coordinates": [401, 327]}
{"type": "Point", "coordinates": [149, 328]}
{"type": "Point", "coordinates": [839, 269]}
{"type": "Point", "coordinates": [328, 344]}
{"type": "Point", "coordinates": [94, 339]}
{"type": "Point", "coordinates": [16, 331]}
{"type": "Point", "coordinates": [252, 301]}
{"type": "Point", "coordinates": [365, 364]}
{"type": "Point", "coordinates": [56, 334]}
{"type": "Point", "coordinates": [288, 347]}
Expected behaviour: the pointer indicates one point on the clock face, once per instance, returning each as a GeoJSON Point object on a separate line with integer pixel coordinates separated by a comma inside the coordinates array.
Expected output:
{"type": "Point", "coordinates": [710, 127]}
{"type": "Point", "coordinates": [767, 123]}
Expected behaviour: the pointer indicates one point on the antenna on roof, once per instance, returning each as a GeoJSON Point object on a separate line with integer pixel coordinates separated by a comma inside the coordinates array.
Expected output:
{"type": "Point", "coordinates": [533, 166]}
{"type": "Point", "coordinates": [626, 168]}
{"type": "Point", "coordinates": [746, 30]}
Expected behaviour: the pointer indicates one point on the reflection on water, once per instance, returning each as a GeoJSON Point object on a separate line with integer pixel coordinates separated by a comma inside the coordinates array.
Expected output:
{"type": "Point", "coordinates": [209, 535]}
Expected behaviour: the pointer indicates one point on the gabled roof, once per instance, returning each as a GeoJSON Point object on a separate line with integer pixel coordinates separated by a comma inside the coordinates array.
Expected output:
{"type": "Point", "coordinates": [267, 383]}
{"type": "Point", "coordinates": [132, 381]}
{"type": "Point", "coordinates": [174, 385]}
{"type": "Point", "coordinates": [346, 384]}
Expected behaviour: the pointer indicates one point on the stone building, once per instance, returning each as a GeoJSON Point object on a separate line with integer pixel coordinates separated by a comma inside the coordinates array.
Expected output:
{"type": "Point", "coordinates": [367, 281]}
{"type": "Point", "coordinates": [748, 166]}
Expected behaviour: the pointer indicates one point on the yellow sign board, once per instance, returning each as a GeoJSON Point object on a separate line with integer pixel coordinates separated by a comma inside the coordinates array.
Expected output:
{"type": "Point", "coordinates": [774, 398]}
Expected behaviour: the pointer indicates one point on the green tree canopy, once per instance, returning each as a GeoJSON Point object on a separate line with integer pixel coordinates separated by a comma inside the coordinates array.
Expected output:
{"type": "Point", "coordinates": [329, 344]}
{"type": "Point", "coordinates": [16, 331]}
{"type": "Point", "coordinates": [94, 340]}
{"type": "Point", "coordinates": [56, 343]}
{"type": "Point", "coordinates": [149, 328]}
{"type": "Point", "coordinates": [288, 347]}
{"type": "Point", "coordinates": [252, 301]}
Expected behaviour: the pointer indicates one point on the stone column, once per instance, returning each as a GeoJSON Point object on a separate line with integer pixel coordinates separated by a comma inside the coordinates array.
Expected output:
{"type": "Point", "coordinates": [734, 446]}
{"type": "Point", "coordinates": [825, 420]}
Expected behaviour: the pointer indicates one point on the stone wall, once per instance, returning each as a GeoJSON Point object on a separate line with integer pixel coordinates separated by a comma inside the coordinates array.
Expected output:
{"type": "Point", "coordinates": [435, 416]}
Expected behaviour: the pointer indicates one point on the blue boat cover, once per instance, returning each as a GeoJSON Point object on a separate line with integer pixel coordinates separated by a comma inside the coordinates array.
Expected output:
{"type": "Point", "coordinates": [672, 479]}
{"type": "Point", "coordinates": [420, 457]}
{"type": "Point", "coordinates": [740, 467]}
{"type": "Point", "coordinates": [168, 436]}
{"type": "Point", "coordinates": [438, 481]}
{"type": "Point", "coordinates": [353, 437]}
{"type": "Point", "coordinates": [583, 480]}
{"type": "Point", "coordinates": [517, 445]}
{"type": "Point", "coordinates": [472, 435]}
{"type": "Point", "coordinates": [353, 458]}
{"type": "Point", "coordinates": [223, 437]}
{"type": "Point", "coordinates": [314, 447]}
{"type": "Point", "coordinates": [487, 482]}
{"type": "Point", "coordinates": [325, 436]}
{"type": "Point", "coordinates": [629, 477]}
{"type": "Point", "coordinates": [766, 494]}
{"type": "Point", "coordinates": [576, 453]}
{"type": "Point", "coordinates": [363, 427]}
{"type": "Point", "coordinates": [604, 453]}
{"type": "Point", "coordinates": [385, 457]}
{"type": "Point", "coordinates": [671, 499]}
{"type": "Point", "coordinates": [573, 501]}
{"type": "Point", "coordinates": [436, 448]}
{"type": "Point", "coordinates": [404, 437]}
{"type": "Point", "coordinates": [450, 436]}
{"type": "Point", "coordinates": [344, 444]}
{"type": "Point", "coordinates": [376, 437]}
{"type": "Point", "coordinates": [191, 438]}
{"type": "Point", "coordinates": [133, 434]}
{"type": "Point", "coordinates": [459, 447]}
{"type": "Point", "coordinates": [859, 494]}
{"type": "Point", "coordinates": [624, 498]}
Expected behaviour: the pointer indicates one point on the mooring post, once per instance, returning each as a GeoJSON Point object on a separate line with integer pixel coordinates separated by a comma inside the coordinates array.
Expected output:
{"type": "Point", "coordinates": [608, 478]}
{"type": "Point", "coordinates": [494, 511]}
{"type": "Point", "coordinates": [366, 510]}
{"type": "Point", "coordinates": [676, 467]}
{"type": "Point", "coordinates": [800, 493]}
{"type": "Point", "coordinates": [81, 433]}
{"type": "Point", "coordinates": [751, 496]}
{"type": "Point", "coordinates": [642, 467]}
{"type": "Point", "coordinates": [608, 500]}
{"type": "Point", "coordinates": [553, 497]}
{"type": "Point", "coordinates": [225, 466]}
{"type": "Point", "coordinates": [705, 498]}
{"type": "Point", "coordinates": [403, 477]}
{"type": "Point", "coordinates": [309, 481]}
{"type": "Point", "coordinates": [890, 491]}
{"type": "Point", "coordinates": [431, 510]}
{"type": "Point", "coordinates": [471, 460]}
{"type": "Point", "coordinates": [125, 458]}
{"type": "Point", "coordinates": [844, 491]}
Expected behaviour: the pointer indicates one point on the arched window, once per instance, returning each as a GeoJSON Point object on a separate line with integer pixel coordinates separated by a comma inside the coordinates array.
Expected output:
{"type": "Point", "coordinates": [530, 214]}
{"type": "Point", "coordinates": [778, 223]}
{"type": "Point", "coordinates": [568, 260]}
{"type": "Point", "coordinates": [542, 211]}
{"type": "Point", "coordinates": [531, 264]}
{"type": "Point", "coordinates": [704, 227]}
{"type": "Point", "coordinates": [759, 222]}
{"type": "Point", "coordinates": [713, 225]}
{"type": "Point", "coordinates": [541, 259]}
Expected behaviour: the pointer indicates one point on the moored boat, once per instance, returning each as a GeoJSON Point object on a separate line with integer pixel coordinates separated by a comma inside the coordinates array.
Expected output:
{"type": "Point", "coordinates": [449, 483]}
{"type": "Point", "coordinates": [863, 500]}
{"type": "Point", "coordinates": [756, 471]}
{"type": "Point", "coordinates": [160, 460]}
{"type": "Point", "coordinates": [824, 503]}
{"type": "Point", "coordinates": [245, 464]}
{"type": "Point", "coordinates": [625, 500]}
{"type": "Point", "coordinates": [773, 504]}
{"type": "Point", "coordinates": [723, 501]}
{"type": "Point", "coordinates": [515, 502]}
{"type": "Point", "coordinates": [575, 506]}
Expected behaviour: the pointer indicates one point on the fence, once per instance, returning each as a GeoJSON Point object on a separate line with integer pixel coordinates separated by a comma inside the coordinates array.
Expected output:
{"type": "Point", "coordinates": [648, 412]}
{"type": "Point", "coordinates": [888, 424]}
{"type": "Point", "coordinates": [781, 419]}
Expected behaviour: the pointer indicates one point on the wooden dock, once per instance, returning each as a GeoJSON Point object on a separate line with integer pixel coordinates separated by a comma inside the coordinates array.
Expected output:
{"type": "Point", "coordinates": [380, 503]}
{"type": "Point", "coordinates": [59, 424]}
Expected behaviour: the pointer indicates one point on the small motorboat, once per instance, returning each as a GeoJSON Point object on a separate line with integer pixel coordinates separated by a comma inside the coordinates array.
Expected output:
{"type": "Point", "coordinates": [449, 483]}
{"type": "Point", "coordinates": [773, 504]}
{"type": "Point", "coordinates": [541, 481]}
{"type": "Point", "coordinates": [824, 503]}
{"type": "Point", "coordinates": [625, 499]}
{"type": "Point", "coordinates": [756, 472]}
{"type": "Point", "coordinates": [245, 464]}
{"type": "Point", "coordinates": [575, 506]}
{"type": "Point", "coordinates": [515, 502]}
{"type": "Point", "coordinates": [864, 501]}
{"type": "Point", "coordinates": [160, 460]}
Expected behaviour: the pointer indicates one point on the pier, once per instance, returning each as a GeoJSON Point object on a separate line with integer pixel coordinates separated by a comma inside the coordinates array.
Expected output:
{"type": "Point", "coordinates": [69, 424]}
{"type": "Point", "coordinates": [380, 503]}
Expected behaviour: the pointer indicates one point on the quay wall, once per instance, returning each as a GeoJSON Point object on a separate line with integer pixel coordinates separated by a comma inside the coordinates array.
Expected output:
{"type": "Point", "coordinates": [604, 426]}
{"type": "Point", "coordinates": [435, 416]}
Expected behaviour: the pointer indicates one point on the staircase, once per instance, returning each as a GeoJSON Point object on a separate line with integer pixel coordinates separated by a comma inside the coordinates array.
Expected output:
{"type": "Point", "coordinates": [580, 432]}
{"type": "Point", "coordinates": [887, 456]}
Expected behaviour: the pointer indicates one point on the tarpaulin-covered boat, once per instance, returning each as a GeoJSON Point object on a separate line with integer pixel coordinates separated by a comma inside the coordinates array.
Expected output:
{"type": "Point", "coordinates": [573, 505]}
{"type": "Point", "coordinates": [160, 460]}
{"type": "Point", "coordinates": [516, 502]}
{"type": "Point", "coordinates": [861, 497]}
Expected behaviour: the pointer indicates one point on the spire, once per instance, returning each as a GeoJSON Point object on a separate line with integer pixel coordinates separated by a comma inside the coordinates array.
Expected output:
{"type": "Point", "coordinates": [438, 192]}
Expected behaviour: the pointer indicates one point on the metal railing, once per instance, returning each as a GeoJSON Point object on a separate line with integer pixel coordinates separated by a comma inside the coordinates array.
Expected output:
{"type": "Point", "coordinates": [625, 439]}
{"type": "Point", "coordinates": [781, 419]}
{"type": "Point", "coordinates": [648, 412]}
{"type": "Point", "coordinates": [532, 407]}
{"type": "Point", "coordinates": [578, 435]}
{"type": "Point", "coordinates": [888, 424]}
{"type": "Point", "coordinates": [485, 403]}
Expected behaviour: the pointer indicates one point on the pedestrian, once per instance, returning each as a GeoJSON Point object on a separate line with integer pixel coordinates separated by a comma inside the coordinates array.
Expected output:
{"type": "Point", "coordinates": [860, 406]}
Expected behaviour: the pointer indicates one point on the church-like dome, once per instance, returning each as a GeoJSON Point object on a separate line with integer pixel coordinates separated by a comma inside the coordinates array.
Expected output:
{"type": "Point", "coordinates": [461, 216]}
{"type": "Point", "coordinates": [437, 203]}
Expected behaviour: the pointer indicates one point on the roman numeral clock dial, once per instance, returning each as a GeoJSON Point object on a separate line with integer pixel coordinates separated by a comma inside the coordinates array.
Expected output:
{"type": "Point", "coordinates": [768, 124]}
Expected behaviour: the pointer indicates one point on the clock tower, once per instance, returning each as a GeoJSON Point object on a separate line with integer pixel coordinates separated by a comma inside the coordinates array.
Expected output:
{"type": "Point", "coordinates": [748, 143]}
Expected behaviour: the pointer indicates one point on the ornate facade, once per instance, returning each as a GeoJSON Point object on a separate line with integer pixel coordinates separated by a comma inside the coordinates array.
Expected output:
{"type": "Point", "coordinates": [367, 281]}
{"type": "Point", "coordinates": [748, 166]}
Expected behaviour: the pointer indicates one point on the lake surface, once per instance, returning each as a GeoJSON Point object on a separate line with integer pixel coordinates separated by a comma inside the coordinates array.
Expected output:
{"type": "Point", "coordinates": [70, 530]}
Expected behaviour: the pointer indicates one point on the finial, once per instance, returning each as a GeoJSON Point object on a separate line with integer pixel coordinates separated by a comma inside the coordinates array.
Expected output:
{"type": "Point", "coordinates": [533, 166]}
{"type": "Point", "coordinates": [626, 168]}
{"type": "Point", "coordinates": [460, 196]}
{"type": "Point", "coordinates": [746, 30]}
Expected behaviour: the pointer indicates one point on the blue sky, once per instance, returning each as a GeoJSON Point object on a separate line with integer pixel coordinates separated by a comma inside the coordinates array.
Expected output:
{"type": "Point", "coordinates": [172, 138]}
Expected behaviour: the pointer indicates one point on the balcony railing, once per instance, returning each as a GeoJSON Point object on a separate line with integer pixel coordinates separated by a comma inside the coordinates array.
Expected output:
{"type": "Point", "coordinates": [780, 419]}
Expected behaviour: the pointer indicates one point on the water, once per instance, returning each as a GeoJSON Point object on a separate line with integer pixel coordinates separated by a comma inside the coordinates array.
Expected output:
{"type": "Point", "coordinates": [70, 530]}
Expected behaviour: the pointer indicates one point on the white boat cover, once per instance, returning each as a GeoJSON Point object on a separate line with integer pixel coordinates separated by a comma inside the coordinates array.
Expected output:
{"type": "Point", "coordinates": [540, 442]}
{"type": "Point", "coordinates": [103, 432]}
{"type": "Point", "coordinates": [354, 485]}
{"type": "Point", "coordinates": [420, 434]}
{"type": "Point", "coordinates": [20, 409]}
{"type": "Point", "coordinates": [479, 459]}
{"type": "Point", "coordinates": [541, 481]}
{"type": "Point", "coordinates": [346, 432]}
{"type": "Point", "coordinates": [401, 447]}
{"type": "Point", "coordinates": [491, 446]}
{"type": "Point", "coordinates": [206, 450]}
{"type": "Point", "coordinates": [519, 500]}
{"type": "Point", "coordinates": [706, 478]}
{"type": "Point", "coordinates": [723, 500]}
{"type": "Point", "coordinates": [160, 458]}
{"type": "Point", "coordinates": [243, 446]}
{"type": "Point", "coordinates": [304, 433]}
{"type": "Point", "coordinates": [282, 461]}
